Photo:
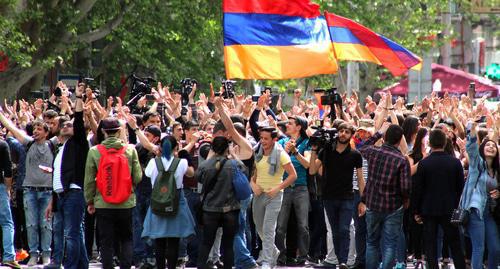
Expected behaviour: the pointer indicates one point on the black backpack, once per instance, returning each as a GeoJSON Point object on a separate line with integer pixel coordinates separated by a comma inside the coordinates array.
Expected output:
{"type": "Point", "coordinates": [165, 196]}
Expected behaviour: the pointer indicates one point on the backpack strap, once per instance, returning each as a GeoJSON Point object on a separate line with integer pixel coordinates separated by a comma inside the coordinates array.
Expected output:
{"type": "Point", "coordinates": [174, 164]}
{"type": "Point", "coordinates": [159, 164]}
{"type": "Point", "coordinates": [28, 146]}
{"type": "Point", "coordinates": [102, 150]}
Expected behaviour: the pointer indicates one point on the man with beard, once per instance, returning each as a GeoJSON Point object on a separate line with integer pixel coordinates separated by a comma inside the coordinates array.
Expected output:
{"type": "Point", "coordinates": [337, 187]}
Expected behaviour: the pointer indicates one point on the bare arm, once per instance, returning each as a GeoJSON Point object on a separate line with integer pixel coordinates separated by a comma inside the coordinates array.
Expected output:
{"type": "Point", "coordinates": [314, 163]}
{"type": "Point", "coordinates": [361, 179]}
{"type": "Point", "coordinates": [245, 147]}
{"type": "Point", "coordinates": [18, 133]}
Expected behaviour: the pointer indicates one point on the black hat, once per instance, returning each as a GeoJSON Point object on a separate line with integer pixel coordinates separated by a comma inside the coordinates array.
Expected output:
{"type": "Point", "coordinates": [110, 124]}
{"type": "Point", "coordinates": [154, 130]}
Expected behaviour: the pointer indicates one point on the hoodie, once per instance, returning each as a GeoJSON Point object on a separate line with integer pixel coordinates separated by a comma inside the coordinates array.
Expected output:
{"type": "Point", "coordinates": [92, 195]}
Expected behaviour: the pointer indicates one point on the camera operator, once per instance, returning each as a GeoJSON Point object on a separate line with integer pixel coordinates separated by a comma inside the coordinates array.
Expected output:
{"type": "Point", "coordinates": [339, 160]}
{"type": "Point", "coordinates": [297, 194]}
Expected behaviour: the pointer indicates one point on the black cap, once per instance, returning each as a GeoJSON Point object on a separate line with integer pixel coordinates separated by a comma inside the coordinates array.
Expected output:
{"type": "Point", "coordinates": [110, 124]}
{"type": "Point", "coordinates": [154, 130]}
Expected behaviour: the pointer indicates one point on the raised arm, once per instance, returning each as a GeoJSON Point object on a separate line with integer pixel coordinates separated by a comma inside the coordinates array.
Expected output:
{"type": "Point", "coordinates": [245, 147]}
{"type": "Point", "coordinates": [20, 135]}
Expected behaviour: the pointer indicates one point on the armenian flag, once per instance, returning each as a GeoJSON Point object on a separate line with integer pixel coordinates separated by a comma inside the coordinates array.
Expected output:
{"type": "Point", "coordinates": [276, 39]}
{"type": "Point", "coordinates": [354, 42]}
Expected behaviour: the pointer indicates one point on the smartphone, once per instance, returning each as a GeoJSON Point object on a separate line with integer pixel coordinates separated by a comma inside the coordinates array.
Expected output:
{"type": "Point", "coordinates": [255, 98]}
{"type": "Point", "coordinates": [45, 168]}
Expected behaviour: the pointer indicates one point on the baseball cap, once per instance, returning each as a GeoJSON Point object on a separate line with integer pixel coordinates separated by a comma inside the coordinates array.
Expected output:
{"type": "Point", "coordinates": [154, 130]}
{"type": "Point", "coordinates": [110, 124]}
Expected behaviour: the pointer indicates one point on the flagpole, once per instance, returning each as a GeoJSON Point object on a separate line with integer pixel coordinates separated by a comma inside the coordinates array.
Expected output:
{"type": "Point", "coordinates": [335, 56]}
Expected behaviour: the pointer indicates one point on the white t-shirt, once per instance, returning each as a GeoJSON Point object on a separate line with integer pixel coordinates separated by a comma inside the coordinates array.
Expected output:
{"type": "Point", "coordinates": [152, 173]}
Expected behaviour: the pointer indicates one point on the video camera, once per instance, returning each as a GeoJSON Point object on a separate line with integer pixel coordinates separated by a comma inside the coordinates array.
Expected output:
{"type": "Point", "coordinates": [187, 85]}
{"type": "Point", "coordinates": [330, 98]}
{"type": "Point", "coordinates": [90, 83]}
{"type": "Point", "coordinates": [140, 87]}
{"type": "Point", "coordinates": [228, 92]}
{"type": "Point", "coordinates": [323, 137]}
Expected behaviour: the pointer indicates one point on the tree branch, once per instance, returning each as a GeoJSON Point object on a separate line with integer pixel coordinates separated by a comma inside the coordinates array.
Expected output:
{"type": "Point", "coordinates": [105, 29]}
{"type": "Point", "coordinates": [83, 7]}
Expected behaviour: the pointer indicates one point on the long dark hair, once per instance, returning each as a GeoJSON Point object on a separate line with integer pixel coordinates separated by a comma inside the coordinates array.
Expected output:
{"type": "Point", "coordinates": [410, 127]}
{"type": "Point", "coordinates": [416, 153]}
{"type": "Point", "coordinates": [495, 165]}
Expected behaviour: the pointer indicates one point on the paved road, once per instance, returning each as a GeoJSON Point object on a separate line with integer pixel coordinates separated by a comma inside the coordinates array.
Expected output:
{"type": "Point", "coordinates": [97, 265]}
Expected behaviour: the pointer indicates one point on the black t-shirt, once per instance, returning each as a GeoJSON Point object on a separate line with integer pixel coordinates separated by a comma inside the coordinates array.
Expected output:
{"type": "Point", "coordinates": [338, 172]}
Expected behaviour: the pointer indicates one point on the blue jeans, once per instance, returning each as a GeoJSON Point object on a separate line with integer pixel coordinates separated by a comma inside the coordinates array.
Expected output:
{"type": "Point", "coordinates": [360, 227]}
{"type": "Point", "coordinates": [7, 224]}
{"type": "Point", "coordinates": [339, 213]}
{"type": "Point", "coordinates": [58, 237]}
{"type": "Point", "coordinates": [483, 231]}
{"type": "Point", "coordinates": [141, 249]}
{"type": "Point", "coordinates": [71, 210]}
{"type": "Point", "coordinates": [35, 203]}
{"type": "Point", "coordinates": [190, 245]}
{"type": "Point", "coordinates": [382, 225]}
{"type": "Point", "coordinates": [242, 257]}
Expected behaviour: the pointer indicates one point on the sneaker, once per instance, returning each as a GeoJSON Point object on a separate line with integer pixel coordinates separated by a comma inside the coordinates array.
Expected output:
{"type": "Point", "coordinates": [326, 264]}
{"type": "Point", "coordinates": [12, 264]}
{"type": "Point", "coordinates": [21, 255]}
{"type": "Point", "coordinates": [33, 260]}
{"type": "Point", "coordinates": [52, 265]}
{"type": "Point", "coordinates": [46, 258]}
{"type": "Point", "coordinates": [343, 266]}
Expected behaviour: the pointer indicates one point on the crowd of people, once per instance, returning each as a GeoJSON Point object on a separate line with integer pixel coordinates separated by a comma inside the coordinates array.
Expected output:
{"type": "Point", "coordinates": [152, 184]}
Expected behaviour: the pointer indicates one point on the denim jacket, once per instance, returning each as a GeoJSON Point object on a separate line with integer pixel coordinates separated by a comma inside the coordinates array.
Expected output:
{"type": "Point", "coordinates": [477, 171]}
{"type": "Point", "coordinates": [221, 198]}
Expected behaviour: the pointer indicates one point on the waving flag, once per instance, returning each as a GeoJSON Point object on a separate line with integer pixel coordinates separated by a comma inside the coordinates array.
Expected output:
{"type": "Point", "coordinates": [276, 39]}
{"type": "Point", "coordinates": [354, 42]}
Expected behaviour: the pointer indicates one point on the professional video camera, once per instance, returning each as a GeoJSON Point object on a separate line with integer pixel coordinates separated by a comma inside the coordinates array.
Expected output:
{"type": "Point", "coordinates": [140, 87]}
{"type": "Point", "coordinates": [323, 137]}
{"type": "Point", "coordinates": [330, 97]}
{"type": "Point", "coordinates": [187, 85]}
{"type": "Point", "coordinates": [228, 89]}
{"type": "Point", "coordinates": [91, 83]}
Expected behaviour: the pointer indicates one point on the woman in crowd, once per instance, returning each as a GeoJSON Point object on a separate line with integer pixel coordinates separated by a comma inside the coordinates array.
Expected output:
{"type": "Point", "coordinates": [480, 196]}
{"type": "Point", "coordinates": [220, 206]}
{"type": "Point", "coordinates": [167, 231]}
{"type": "Point", "coordinates": [419, 151]}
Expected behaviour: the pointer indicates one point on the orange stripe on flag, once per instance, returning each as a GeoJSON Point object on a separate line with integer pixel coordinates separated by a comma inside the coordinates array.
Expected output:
{"type": "Point", "coordinates": [279, 62]}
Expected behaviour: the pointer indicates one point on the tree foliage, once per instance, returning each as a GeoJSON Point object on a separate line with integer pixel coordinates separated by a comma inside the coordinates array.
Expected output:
{"type": "Point", "coordinates": [170, 39]}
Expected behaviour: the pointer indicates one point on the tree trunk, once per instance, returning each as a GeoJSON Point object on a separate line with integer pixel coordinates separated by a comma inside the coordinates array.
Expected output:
{"type": "Point", "coordinates": [12, 80]}
{"type": "Point", "coordinates": [33, 84]}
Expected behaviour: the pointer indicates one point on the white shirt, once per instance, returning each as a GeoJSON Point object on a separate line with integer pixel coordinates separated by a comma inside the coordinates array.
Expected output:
{"type": "Point", "coordinates": [152, 172]}
{"type": "Point", "coordinates": [56, 180]}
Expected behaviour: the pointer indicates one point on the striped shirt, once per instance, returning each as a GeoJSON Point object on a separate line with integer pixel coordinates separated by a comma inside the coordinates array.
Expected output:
{"type": "Point", "coordinates": [389, 181]}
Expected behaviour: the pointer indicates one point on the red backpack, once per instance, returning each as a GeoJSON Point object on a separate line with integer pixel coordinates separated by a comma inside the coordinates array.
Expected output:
{"type": "Point", "coordinates": [114, 181]}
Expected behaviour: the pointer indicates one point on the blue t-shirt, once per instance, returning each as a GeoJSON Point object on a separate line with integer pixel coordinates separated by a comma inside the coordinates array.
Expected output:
{"type": "Point", "coordinates": [302, 146]}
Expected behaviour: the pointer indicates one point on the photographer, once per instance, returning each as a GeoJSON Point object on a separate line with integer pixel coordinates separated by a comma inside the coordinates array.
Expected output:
{"type": "Point", "coordinates": [297, 194]}
{"type": "Point", "coordinates": [339, 161]}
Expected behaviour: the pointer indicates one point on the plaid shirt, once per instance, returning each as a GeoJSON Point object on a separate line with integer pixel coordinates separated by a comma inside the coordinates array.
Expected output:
{"type": "Point", "coordinates": [389, 180]}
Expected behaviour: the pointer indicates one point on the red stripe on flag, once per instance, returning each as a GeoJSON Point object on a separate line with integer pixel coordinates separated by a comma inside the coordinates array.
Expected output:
{"type": "Point", "coordinates": [372, 40]}
{"type": "Point", "coordinates": [301, 8]}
